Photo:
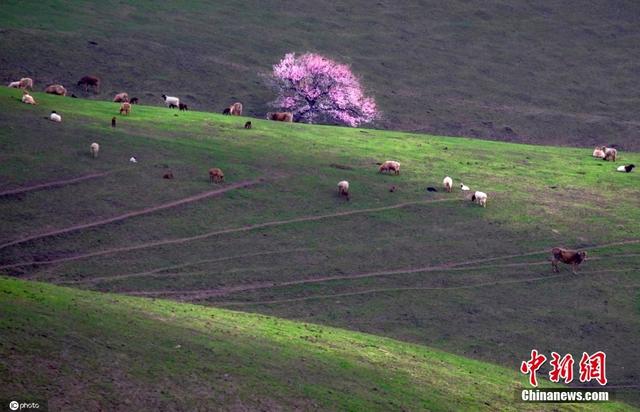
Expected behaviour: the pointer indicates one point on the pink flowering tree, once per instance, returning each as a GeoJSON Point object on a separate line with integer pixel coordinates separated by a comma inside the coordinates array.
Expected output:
{"type": "Point", "coordinates": [317, 89]}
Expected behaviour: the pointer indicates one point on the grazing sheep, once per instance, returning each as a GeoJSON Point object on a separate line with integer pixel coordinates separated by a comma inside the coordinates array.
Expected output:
{"type": "Point", "coordinates": [125, 108]}
{"type": "Point", "coordinates": [343, 189]}
{"type": "Point", "coordinates": [90, 81]}
{"type": "Point", "coordinates": [479, 198]}
{"type": "Point", "coordinates": [393, 189]}
{"type": "Point", "coordinates": [26, 83]}
{"type": "Point", "coordinates": [171, 101]}
{"type": "Point", "coordinates": [216, 175]}
{"type": "Point", "coordinates": [280, 116]}
{"type": "Point", "coordinates": [15, 85]}
{"type": "Point", "coordinates": [113, 121]}
{"type": "Point", "coordinates": [133, 160]}
{"type": "Point", "coordinates": [431, 189]}
{"type": "Point", "coordinates": [567, 256]}
{"type": "Point", "coordinates": [610, 154]}
{"type": "Point", "coordinates": [95, 148]}
{"type": "Point", "coordinates": [226, 111]}
{"type": "Point", "coordinates": [390, 166]}
{"type": "Point", "coordinates": [134, 100]}
{"type": "Point", "coordinates": [626, 169]}
{"type": "Point", "coordinates": [598, 152]}
{"type": "Point", "coordinates": [57, 89]}
{"type": "Point", "coordinates": [183, 107]}
{"type": "Point", "coordinates": [247, 125]}
{"type": "Point", "coordinates": [464, 187]}
{"type": "Point", "coordinates": [121, 97]}
{"type": "Point", "coordinates": [27, 98]}
{"type": "Point", "coordinates": [235, 109]}
{"type": "Point", "coordinates": [55, 117]}
{"type": "Point", "coordinates": [168, 175]}
{"type": "Point", "coordinates": [447, 183]}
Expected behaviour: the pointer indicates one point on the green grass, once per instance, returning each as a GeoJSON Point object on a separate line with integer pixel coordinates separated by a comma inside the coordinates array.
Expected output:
{"type": "Point", "coordinates": [558, 73]}
{"type": "Point", "coordinates": [494, 311]}
{"type": "Point", "coordinates": [85, 350]}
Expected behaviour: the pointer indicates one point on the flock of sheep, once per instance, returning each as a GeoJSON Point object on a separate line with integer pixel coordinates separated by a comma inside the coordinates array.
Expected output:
{"type": "Point", "coordinates": [217, 176]}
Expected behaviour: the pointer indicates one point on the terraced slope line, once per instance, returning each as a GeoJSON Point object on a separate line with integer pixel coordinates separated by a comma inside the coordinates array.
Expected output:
{"type": "Point", "coordinates": [56, 183]}
{"type": "Point", "coordinates": [148, 210]}
{"type": "Point", "coordinates": [214, 233]}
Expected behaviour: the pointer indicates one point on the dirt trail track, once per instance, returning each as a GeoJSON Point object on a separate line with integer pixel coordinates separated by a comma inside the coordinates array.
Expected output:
{"type": "Point", "coordinates": [203, 235]}
{"type": "Point", "coordinates": [56, 183]}
{"type": "Point", "coordinates": [148, 210]}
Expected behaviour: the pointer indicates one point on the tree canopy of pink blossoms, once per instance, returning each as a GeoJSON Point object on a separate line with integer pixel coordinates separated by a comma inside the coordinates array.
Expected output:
{"type": "Point", "coordinates": [317, 89]}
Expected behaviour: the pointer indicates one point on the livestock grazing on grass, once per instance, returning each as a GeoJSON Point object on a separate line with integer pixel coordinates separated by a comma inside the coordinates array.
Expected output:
{"type": "Point", "coordinates": [171, 101]}
{"type": "Point", "coordinates": [235, 109]}
{"type": "Point", "coordinates": [133, 160]}
{"type": "Point", "coordinates": [448, 184]}
{"type": "Point", "coordinates": [343, 189]}
{"type": "Point", "coordinates": [464, 187]}
{"type": "Point", "coordinates": [121, 97]}
{"type": "Point", "coordinates": [113, 121]}
{"type": "Point", "coordinates": [56, 89]}
{"type": "Point", "coordinates": [610, 154]}
{"type": "Point", "coordinates": [226, 111]}
{"type": "Point", "coordinates": [134, 100]}
{"type": "Point", "coordinates": [393, 189]}
{"type": "Point", "coordinates": [15, 85]}
{"type": "Point", "coordinates": [216, 175]}
{"type": "Point", "coordinates": [567, 256]}
{"type": "Point", "coordinates": [125, 108]}
{"type": "Point", "coordinates": [479, 198]}
{"type": "Point", "coordinates": [27, 98]}
{"type": "Point", "coordinates": [183, 107]}
{"type": "Point", "coordinates": [168, 175]}
{"type": "Point", "coordinates": [247, 125]}
{"type": "Point", "coordinates": [90, 81]}
{"type": "Point", "coordinates": [26, 83]}
{"type": "Point", "coordinates": [55, 117]}
{"type": "Point", "coordinates": [94, 148]}
{"type": "Point", "coordinates": [390, 166]}
{"type": "Point", "coordinates": [626, 168]}
{"type": "Point", "coordinates": [598, 152]}
{"type": "Point", "coordinates": [280, 116]}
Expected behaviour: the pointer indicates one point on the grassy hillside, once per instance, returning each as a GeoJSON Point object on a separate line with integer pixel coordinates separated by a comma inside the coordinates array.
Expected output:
{"type": "Point", "coordinates": [421, 267]}
{"type": "Point", "coordinates": [89, 351]}
{"type": "Point", "coordinates": [558, 73]}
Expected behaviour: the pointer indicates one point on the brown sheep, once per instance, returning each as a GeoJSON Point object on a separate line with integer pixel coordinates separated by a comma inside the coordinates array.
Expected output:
{"type": "Point", "coordinates": [226, 111]}
{"type": "Point", "coordinates": [216, 175]}
{"type": "Point", "coordinates": [90, 81]}
{"type": "Point", "coordinates": [610, 154]}
{"type": "Point", "coordinates": [168, 175]}
{"type": "Point", "coordinates": [56, 89]}
{"type": "Point", "coordinates": [235, 109]}
{"type": "Point", "coordinates": [280, 116]}
{"type": "Point", "coordinates": [125, 108]}
{"type": "Point", "coordinates": [567, 256]}
{"type": "Point", "coordinates": [121, 97]}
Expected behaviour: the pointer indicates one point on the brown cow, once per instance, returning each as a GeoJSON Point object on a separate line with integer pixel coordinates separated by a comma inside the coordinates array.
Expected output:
{"type": "Point", "coordinates": [235, 109]}
{"type": "Point", "coordinates": [216, 175]}
{"type": "Point", "coordinates": [121, 97]}
{"type": "Point", "coordinates": [56, 89]}
{"type": "Point", "coordinates": [90, 81]}
{"type": "Point", "coordinates": [567, 256]}
{"type": "Point", "coordinates": [125, 108]}
{"type": "Point", "coordinates": [280, 116]}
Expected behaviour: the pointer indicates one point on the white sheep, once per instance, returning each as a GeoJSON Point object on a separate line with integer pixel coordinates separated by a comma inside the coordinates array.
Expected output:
{"type": "Point", "coordinates": [626, 168]}
{"type": "Point", "coordinates": [464, 187]}
{"type": "Point", "coordinates": [390, 166]}
{"type": "Point", "coordinates": [133, 160]}
{"type": "Point", "coordinates": [95, 148]}
{"type": "Point", "coordinates": [27, 98]}
{"type": "Point", "coordinates": [447, 183]}
{"type": "Point", "coordinates": [55, 117]}
{"type": "Point", "coordinates": [343, 189]}
{"type": "Point", "coordinates": [598, 152]}
{"type": "Point", "coordinates": [171, 101]}
{"type": "Point", "coordinates": [15, 85]}
{"type": "Point", "coordinates": [479, 198]}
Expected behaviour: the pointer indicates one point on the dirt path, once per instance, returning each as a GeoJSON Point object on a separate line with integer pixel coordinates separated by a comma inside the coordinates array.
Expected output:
{"type": "Point", "coordinates": [53, 184]}
{"type": "Point", "coordinates": [209, 234]}
{"type": "Point", "coordinates": [148, 210]}
{"type": "Point", "coordinates": [404, 289]}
